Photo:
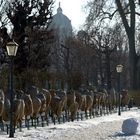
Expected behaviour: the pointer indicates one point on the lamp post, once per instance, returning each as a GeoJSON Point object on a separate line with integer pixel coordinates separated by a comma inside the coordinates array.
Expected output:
{"type": "Point", "coordinates": [119, 69]}
{"type": "Point", "coordinates": [11, 50]}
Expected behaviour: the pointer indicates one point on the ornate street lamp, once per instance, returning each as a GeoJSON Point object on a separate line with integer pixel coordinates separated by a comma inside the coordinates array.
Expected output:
{"type": "Point", "coordinates": [12, 48]}
{"type": "Point", "coordinates": [119, 69]}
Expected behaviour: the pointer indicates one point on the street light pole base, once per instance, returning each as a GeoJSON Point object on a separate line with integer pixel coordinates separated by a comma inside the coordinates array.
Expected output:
{"type": "Point", "coordinates": [11, 136]}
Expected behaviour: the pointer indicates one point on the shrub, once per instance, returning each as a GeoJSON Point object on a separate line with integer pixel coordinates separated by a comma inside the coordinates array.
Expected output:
{"type": "Point", "coordinates": [135, 94]}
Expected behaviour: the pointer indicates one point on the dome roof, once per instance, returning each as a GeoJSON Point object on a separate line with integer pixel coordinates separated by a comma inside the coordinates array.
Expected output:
{"type": "Point", "coordinates": [61, 22]}
{"type": "Point", "coordinates": [59, 10]}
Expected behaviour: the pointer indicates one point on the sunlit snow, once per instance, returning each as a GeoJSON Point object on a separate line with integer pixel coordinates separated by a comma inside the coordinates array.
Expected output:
{"type": "Point", "coordinates": [100, 128]}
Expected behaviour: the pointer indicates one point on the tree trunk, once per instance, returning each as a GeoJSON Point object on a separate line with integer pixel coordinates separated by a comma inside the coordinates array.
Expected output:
{"type": "Point", "coordinates": [101, 70]}
{"type": "Point", "coordinates": [130, 31]}
{"type": "Point", "coordinates": [133, 59]}
{"type": "Point", "coordinates": [108, 72]}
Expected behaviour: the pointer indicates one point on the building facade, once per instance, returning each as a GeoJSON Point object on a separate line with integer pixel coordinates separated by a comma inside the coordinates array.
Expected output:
{"type": "Point", "coordinates": [62, 30]}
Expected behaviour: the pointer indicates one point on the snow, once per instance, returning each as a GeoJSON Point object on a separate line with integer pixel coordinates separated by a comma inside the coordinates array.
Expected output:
{"type": "Point", "coordinates": [100, 128]}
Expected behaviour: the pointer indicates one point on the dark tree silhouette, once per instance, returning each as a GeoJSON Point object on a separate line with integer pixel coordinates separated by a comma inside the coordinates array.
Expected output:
{"type": "Point", "coordinates": [23, 16]}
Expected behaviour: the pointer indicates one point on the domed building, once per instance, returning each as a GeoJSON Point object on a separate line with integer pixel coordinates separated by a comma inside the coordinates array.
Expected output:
{"type": "Point", "coordinates": [61, 24]}
{"type": "Point", "coordinates": [62, 30]}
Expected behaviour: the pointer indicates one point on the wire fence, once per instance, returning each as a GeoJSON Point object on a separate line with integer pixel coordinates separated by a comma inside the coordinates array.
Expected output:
{"type": "Point", "coordinates": [41, 120]}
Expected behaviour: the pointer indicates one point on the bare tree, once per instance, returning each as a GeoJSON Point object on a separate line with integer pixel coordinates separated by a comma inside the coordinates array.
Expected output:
{"type": "Point", "coordinates": [127, 11]}
{"type": "Point", "coordinates": [23, 15]}
{"type": "Point", "coordinates": [27, 22]}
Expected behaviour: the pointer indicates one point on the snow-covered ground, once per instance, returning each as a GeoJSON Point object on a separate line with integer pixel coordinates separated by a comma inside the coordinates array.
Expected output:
{"type": "Point", "coordinates": [100, 128]}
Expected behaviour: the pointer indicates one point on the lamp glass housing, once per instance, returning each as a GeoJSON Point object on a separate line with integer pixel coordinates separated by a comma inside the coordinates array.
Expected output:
{"type": "Point", "coordinates": [12, 48]}
{"type": "Point", "coordinates": [119, 68]}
